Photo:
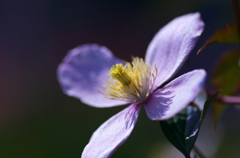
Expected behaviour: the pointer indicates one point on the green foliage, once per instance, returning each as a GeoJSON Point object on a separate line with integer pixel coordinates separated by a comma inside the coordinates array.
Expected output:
{"type": "Point", "coordinates": [182, 130]}
{"type": "Point", "coordinates": [225, 79]}
{"type": "Point", "coordinates": [226, 76]}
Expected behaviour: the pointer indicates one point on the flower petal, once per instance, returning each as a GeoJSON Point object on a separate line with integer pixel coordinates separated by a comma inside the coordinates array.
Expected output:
{"type": "Point", "coordinates": [175, 96]}
{"type": "Point", "coordinates": [112, 133]}
{"type": "Point", "coordinates": [172, 44]}
{"type": "Point", "coordinates": [83, 71]}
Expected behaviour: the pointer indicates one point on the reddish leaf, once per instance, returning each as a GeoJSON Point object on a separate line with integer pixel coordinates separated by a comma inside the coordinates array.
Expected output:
{"type": "Point", "coordinates": [227, 34]}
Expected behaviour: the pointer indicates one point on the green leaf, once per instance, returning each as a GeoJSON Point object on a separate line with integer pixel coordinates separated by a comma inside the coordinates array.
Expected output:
{"type": "Point", "coordinates": [226, 79]}
{"type": "Point", "coordinates": [227, 34]}
{"type": "Point", "coordinates": [182, 130]}
{"type": "Point", "coordinates": [207, 104]}
{"type": "Point", "coordinates": [218, 110]}
{"type": "Point", "coordinates": [226, 76]}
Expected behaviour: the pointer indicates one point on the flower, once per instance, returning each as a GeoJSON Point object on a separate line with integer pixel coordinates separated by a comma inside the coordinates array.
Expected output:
{"type": "Point", "coordinates": [91, 73]}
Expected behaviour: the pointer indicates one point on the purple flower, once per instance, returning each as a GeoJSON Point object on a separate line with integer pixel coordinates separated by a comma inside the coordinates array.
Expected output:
{"type": "Point", "coordinates": [92, 74]}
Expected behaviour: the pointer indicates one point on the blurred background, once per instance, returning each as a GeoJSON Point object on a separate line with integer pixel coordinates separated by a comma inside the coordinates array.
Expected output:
{"type": "Point", "coordinates": [38, 121]}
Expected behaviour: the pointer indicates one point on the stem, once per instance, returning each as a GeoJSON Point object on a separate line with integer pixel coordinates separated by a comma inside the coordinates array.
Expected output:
{"type": "Point", "coordinates": [236, 11]}
{"type": "Point", "coordinates": [237, 15]}
{"type": "Point", "coordinates": [198, 152]}
{"type": "Point", "coordinates": [225, 99]}
{"type": "Point", "coordinates": [230, 99]}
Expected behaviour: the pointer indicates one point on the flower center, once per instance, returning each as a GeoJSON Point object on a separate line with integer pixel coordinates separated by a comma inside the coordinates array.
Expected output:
{"type": "Point", "coordinates": [120, 73]}
{"type": "Point", "coordinates": [131, 83]}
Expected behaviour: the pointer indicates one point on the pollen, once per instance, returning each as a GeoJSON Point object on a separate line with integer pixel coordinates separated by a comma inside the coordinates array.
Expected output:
{"type": "Point", "coordinates": [121, 74]}
{"type": "Point", "coordinates": [132, 82]}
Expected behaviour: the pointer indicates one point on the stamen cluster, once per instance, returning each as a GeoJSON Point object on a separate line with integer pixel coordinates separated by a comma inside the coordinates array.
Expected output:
{"type": "Point", "coordinates": [131, 83]}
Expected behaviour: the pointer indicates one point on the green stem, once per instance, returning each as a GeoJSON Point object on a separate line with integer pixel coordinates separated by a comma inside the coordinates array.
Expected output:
{"type": "Point", "coordinates": [198, 152]}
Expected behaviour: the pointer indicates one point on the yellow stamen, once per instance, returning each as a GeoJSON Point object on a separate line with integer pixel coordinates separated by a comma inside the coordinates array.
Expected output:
{"type": "Point", "coordinates": [120, 73]}
{"type": "Point", "coordinates": [132, 82]}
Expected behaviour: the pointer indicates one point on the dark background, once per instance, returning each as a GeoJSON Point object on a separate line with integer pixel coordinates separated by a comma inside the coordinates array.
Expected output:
{"type": "Point", "coordinates": [38, 121]}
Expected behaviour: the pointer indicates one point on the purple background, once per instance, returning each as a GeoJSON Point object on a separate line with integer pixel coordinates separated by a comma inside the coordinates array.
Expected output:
{"type": "Point", "coordinates": [38, 120]}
